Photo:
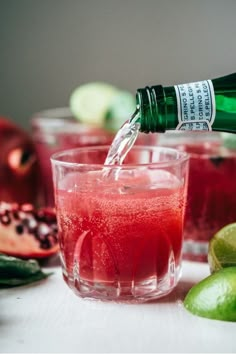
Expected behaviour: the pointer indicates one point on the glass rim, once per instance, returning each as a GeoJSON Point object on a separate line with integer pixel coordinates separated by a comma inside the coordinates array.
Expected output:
{"type": "Point", "coordinates": [182, 157]}
{"type": "Point", "coordinates": [61, 120]}
{"type": "Point", "coordinates": [55, 117]}
{"type": "Point", "coordinates": [223, 153]}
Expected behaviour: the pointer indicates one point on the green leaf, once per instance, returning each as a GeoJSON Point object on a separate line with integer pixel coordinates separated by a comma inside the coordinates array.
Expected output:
{"type": "Point", "coordinates": [16, 272]}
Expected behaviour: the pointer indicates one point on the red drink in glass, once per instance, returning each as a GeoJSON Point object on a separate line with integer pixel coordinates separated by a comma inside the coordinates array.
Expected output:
{"type": "Point", "coordinates": [122, 220]}
{"type": "Point", "coordinates": [120, 238]}
{"type": "Point", "coordinates": [211, 202]}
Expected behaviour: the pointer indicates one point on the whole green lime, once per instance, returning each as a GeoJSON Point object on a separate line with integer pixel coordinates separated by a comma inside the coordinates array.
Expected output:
{"type": "Point", "coordinates": [215, 296]}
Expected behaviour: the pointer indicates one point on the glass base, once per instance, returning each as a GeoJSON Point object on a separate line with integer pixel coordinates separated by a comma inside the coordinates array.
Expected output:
{"type": "Point", "coordinates": [133, 291]}
{"type": "Point", "coordinates": [195, 250]}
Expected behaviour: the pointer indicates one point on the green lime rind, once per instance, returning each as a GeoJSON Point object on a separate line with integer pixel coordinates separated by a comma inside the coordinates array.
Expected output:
{"type": "Point", "coordinates": [221, 255]}
{"type": "Point", "coordinates": [215, 296]}
{"type": "Point", "coordinates": [16, 272]}
{"type": "Point", "coordinates": [222, 248]}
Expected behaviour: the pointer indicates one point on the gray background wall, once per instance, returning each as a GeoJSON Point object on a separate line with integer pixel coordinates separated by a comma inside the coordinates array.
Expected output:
{"type": "Point", "coordinates": [48, 47]}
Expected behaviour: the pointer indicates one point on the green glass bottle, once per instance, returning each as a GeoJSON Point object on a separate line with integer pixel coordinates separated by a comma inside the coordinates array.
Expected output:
{"type": "Point", "coordinates": [204, 105]}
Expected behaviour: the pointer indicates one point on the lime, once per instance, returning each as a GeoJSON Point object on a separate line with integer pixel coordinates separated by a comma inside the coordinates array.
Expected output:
{"type": "Point", "coordinates": [121, 108]}
{"type": "Point", "coordinates": [222, 248]}
{"type": "Point", "coordinates": [229, 140]}
{"type": "Point", "coordinates": [215, 296]}
{"type": "Point", "coordinates": [89, 102]}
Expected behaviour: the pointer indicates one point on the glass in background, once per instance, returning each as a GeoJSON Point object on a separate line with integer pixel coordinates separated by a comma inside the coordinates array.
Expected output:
{"type": "Point", "coordinates": [211, 202]}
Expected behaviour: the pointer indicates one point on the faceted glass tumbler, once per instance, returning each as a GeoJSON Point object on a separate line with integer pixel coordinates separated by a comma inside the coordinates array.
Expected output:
{"type": "Point", "coordinates": [121, 227]}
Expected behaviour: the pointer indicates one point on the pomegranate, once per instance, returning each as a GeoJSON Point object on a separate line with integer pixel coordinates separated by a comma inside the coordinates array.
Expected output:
{"type": "Point", "coordinates": [26, 232]}
{"type": "Point", "coordinates": [18, 165]}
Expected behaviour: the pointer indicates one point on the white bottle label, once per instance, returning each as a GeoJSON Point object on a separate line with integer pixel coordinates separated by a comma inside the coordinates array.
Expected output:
{"type": "Point", "coordinates": [196, 105]}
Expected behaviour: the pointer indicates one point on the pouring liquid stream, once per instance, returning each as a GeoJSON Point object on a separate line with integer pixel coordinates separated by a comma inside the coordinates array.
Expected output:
{"type": "Point", "coordinates": [123, 141]}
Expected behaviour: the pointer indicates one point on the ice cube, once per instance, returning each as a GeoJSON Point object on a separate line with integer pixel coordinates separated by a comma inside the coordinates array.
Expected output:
{"type": "Point", "coordinates": [146, 179]}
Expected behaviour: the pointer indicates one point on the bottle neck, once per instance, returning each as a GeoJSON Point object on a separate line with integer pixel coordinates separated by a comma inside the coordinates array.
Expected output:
{"type": "Point", "coordinates": [202, 105]}
{"type": "Point", "coordinates": [151, 106]}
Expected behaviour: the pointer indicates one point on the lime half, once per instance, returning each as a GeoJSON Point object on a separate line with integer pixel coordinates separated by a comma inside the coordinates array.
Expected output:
{"type": "Point", "coordinates": [222, 248]}
{"type": "Point", "coordinates": [90, 102]}
{"type": "Point", "coordinates": [215, 296]}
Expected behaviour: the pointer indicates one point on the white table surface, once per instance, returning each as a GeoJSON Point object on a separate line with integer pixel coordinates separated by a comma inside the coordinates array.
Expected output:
{"type": "Point", "coordinates": [47, 317]}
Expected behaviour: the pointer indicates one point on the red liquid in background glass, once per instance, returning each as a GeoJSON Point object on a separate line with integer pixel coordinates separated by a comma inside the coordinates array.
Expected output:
{"type": "Point", "coordinates": [112, 236]}
{"type": "Point", "coordinates": [211, 202]}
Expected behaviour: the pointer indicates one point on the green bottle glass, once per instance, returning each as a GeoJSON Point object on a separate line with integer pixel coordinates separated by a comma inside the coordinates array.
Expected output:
{"type": "Point", "coordinates": [204, 105]}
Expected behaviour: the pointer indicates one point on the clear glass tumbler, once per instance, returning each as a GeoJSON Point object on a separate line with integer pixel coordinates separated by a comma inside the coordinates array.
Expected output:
{"type": "Point", "coordinates": [120, 227]}
{"type": "Point", "coordinates": [211, 202]}
{"type": "Point", "coordinates": [55, 130]}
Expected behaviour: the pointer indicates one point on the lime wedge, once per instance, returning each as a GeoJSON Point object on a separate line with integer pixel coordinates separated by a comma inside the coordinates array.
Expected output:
{"type": "Point", "coordinates": [89, 103]}
{"type": "Point", "coordinates": [121, 108]}
{"type": "Point", "coordinates": [222, 248]}
{"type": "Point", "coordinates": [215, 296]}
